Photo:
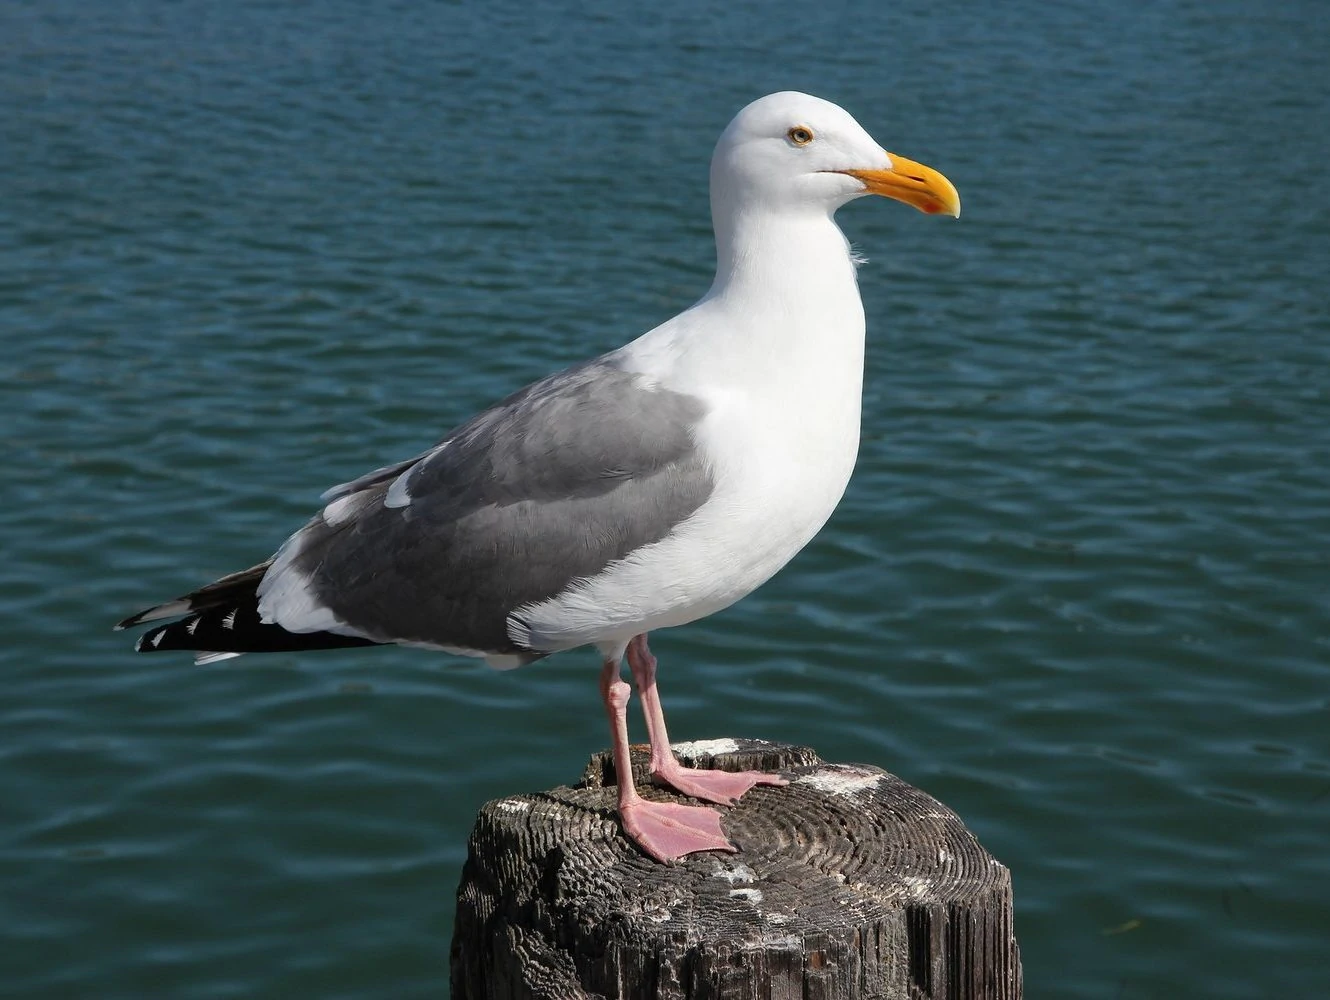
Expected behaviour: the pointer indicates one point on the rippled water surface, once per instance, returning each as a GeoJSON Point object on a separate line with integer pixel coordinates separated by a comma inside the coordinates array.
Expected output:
{"type": "Point", "coordinates": [1077, 589]}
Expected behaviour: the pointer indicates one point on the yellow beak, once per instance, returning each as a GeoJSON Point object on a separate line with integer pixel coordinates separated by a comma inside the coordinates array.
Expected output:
{"type": "Point", "coordinates": [913, 183]}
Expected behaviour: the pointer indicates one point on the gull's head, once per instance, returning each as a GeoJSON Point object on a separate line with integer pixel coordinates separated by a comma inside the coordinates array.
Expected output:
{"type": "Point", "coordinates": [790, 151]}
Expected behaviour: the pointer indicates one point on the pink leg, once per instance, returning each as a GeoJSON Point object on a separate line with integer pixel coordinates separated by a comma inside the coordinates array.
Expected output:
{"type": "Point", "coordinates": [664, 830]}
{"type": "Point", "coordinates": [723, 787]}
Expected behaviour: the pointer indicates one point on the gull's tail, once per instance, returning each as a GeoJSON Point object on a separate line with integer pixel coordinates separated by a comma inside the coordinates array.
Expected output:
{"type": "Point", "coordinates": [222, 620]}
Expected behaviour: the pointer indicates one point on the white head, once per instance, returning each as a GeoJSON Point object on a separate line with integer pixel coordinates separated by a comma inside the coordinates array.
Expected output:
{"type": "Point", "coordinates": [790, 152]}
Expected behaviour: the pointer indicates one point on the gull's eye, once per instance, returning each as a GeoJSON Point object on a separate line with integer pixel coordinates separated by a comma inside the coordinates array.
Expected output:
{"type": "Point", "coordinates": [800, 135]}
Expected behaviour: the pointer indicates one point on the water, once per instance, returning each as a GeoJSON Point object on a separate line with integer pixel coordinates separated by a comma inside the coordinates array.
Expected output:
{"type": "Point", "coordinates": [1077, 589]}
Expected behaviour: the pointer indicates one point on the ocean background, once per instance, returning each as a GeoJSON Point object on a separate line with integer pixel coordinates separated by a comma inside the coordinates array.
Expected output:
{"type": "Point", "coordinates": [1077, 589]}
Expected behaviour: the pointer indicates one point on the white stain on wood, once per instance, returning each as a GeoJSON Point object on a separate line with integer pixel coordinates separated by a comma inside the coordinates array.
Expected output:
{"type": "Point", "coordinates": [842, 780]}
{"type": "Point", "coordinates": [698, 747]}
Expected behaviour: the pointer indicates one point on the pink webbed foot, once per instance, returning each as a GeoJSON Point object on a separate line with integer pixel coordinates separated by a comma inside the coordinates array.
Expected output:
{"type": "Point", "coordinates": [667, 830]}
{"type": "Point", "coordinates": [722, 787]}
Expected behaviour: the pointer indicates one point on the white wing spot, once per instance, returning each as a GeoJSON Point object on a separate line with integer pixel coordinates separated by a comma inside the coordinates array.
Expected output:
{"type": "Point", "coordinates": [230, 620]}
{"type": "Point", "coordinates": [157, 639]}
{"type": "Point", "coordinates": [397, 495]}
{"type": "Point", "coordinates": [286, 597]}
{"type": "Point", "coordinates": [343, 509]}
{"type": "Point", "coordinates": [192, 625]}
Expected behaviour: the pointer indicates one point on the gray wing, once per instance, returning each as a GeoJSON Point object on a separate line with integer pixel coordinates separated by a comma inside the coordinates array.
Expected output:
{"type": "Point", "coordinates": [548, 487]}
{"type": "Point", "coordinates": [386, 473]}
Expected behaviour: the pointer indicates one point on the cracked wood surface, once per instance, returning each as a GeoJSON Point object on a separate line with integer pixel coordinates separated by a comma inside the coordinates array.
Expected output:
{"type": "Point", "coordinates": [849, 884]}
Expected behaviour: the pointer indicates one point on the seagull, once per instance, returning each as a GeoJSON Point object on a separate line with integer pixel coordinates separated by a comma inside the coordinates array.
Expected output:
{"type": "Point", "coordinates": [646, 488]}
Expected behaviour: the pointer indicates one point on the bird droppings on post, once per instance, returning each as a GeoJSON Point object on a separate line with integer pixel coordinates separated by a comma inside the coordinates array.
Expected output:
{"type": "Point", "coordinates": [847, 886]}
{"type": "Point", "coordinates": [734, 873]}
{"type": "Point", "coordinates": [695, 748]}
{"type": "Point", "coordinates": [841, 779]}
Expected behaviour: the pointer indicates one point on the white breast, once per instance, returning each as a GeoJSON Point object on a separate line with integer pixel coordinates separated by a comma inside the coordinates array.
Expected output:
{"type": "Point", "coordinates": [783, 392]}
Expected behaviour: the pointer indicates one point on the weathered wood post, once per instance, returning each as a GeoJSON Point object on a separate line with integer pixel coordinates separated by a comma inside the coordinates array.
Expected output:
{"type": "Point", "coordinates": [850, 884]}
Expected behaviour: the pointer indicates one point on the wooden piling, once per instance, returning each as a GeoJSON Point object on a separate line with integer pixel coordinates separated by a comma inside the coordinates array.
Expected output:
{"type": "Point", "coordinates": [849, 884]}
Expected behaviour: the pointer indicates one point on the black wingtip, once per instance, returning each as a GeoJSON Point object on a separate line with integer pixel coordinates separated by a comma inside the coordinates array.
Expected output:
{"type": "Point", "coordinates": [129, 622]}
{"type": "Point", "coordinates": [171, 609]}
{"type": "Point", "coordinates": [216, 633]}
{"type": "Point", "coordinates": [152, 640]}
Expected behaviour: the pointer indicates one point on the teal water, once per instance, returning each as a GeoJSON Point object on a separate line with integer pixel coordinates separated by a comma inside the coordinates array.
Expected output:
{"type": "Point", "coordinates": [1077, 590]}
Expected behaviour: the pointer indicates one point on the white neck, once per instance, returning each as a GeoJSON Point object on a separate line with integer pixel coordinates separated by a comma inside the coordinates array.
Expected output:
{"type": "Point", "coordinates": [784, 307]}
{"type": "Point", "coordinates": [775, 351]}
{"type": "Point", "coordinates": [789, 262]}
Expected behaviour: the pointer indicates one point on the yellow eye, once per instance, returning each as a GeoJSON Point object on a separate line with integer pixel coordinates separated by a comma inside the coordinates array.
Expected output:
{"type": "Point", "coordinates": [800, 135]}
